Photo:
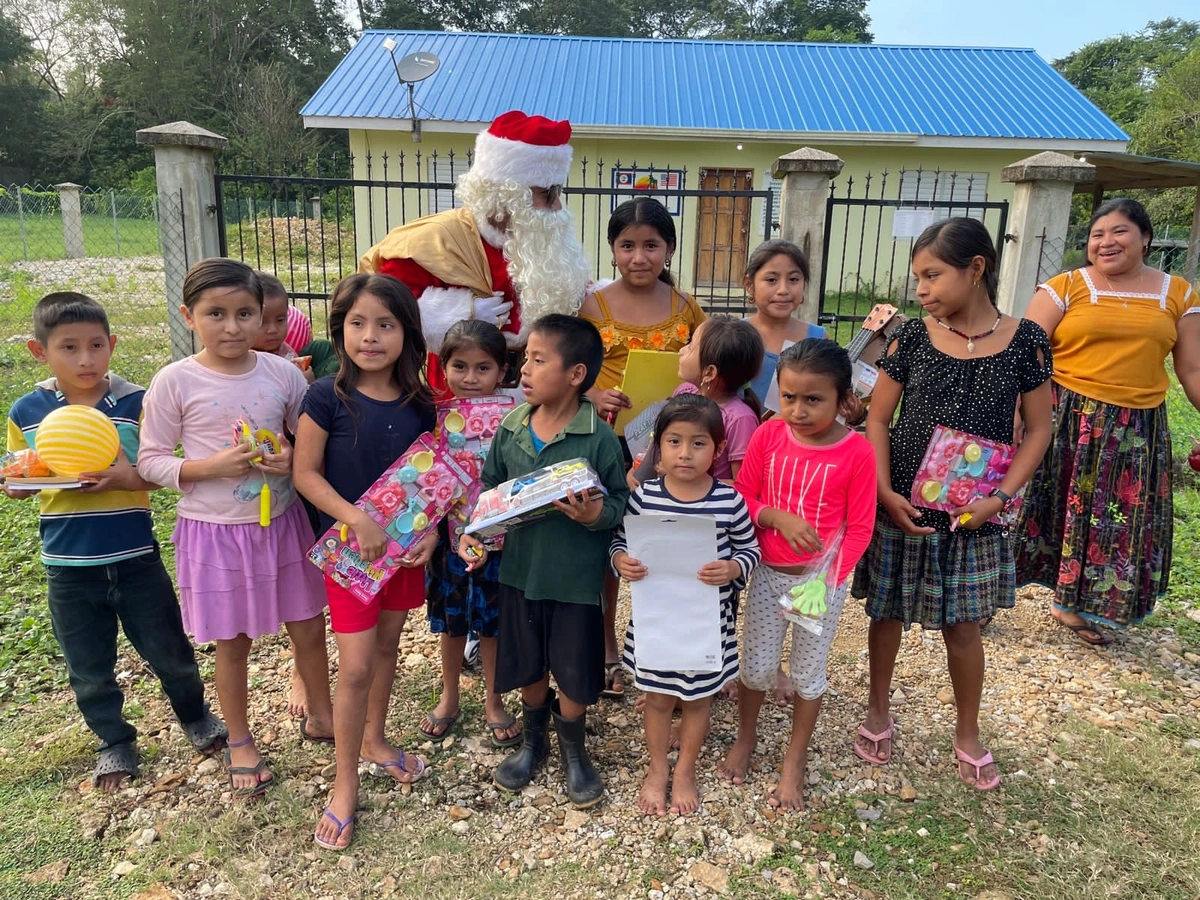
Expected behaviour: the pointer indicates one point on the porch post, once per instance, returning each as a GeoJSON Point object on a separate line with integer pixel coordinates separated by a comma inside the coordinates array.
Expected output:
{"type": "Point", "coordinates": [187, 211]}
{"type": "Point", "coordinates": [1041, 204]}
{"type": "Point", "coordinates": [806, 174]}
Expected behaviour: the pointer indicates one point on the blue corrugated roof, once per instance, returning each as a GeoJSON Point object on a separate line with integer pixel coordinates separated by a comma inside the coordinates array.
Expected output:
{"type": "Point", "coordinates": [719, 85]}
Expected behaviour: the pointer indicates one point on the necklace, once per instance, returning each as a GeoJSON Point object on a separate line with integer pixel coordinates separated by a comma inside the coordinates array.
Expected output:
{"type": "Point", "coordinates": [1113, 290]}
{"type": "Point", "coordinates": [971, 338]}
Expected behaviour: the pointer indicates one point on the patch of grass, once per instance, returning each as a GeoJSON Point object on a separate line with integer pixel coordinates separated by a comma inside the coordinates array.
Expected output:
{"type": "Point", "coordinates": [40, 237]}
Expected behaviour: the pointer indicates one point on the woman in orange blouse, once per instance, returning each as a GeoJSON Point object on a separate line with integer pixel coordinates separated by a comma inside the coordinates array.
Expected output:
{"type": "Point", "coordinates": [1097, 521]}
{"type": "Point", "coordinates": [641, 310]}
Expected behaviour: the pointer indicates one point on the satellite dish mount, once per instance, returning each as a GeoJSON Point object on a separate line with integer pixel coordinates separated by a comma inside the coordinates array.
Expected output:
{"type": "Point", "coordinates": [409, 70]}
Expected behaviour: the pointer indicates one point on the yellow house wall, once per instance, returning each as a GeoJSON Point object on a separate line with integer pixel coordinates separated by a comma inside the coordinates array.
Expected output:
{"type": "Point", "coordinates": [856, 261]}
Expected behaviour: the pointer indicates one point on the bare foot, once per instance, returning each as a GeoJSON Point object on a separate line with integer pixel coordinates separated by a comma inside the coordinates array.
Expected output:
{"type": "Point", "coordinates": [297, 699]}
{"type": "Point", "coordinates": [685, 799]}
{"type": "Point", "coordinates": [737, 763]}
{"type": "Point", "coordinates": [730, 691]}
{"type": "Point", "coordinates": [784, 692]}
{"type": "Point", "coordinates": [340, 809]}
{"type": "Point", "coordinates": [674, 744]}
{"type": "Point", "coordinates": [113, 781]}
{"type": "Point", "coordinates": [652, 800]}
{"type": "Point", "coordinates": [789, 793]}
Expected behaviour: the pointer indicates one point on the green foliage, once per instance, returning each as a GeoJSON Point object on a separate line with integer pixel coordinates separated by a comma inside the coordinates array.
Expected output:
{"type": "Point", "coordinates": [1117, 73]}
{"type": "Point", "coordinates": [796, 20]}
{"type": "Point", "coordinates": [20, 98]}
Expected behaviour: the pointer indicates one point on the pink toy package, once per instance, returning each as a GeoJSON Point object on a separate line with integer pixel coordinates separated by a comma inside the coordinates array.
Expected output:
{"type": "Point", "coordinates": [407, 501]}
{"type": "Point", "coordinates": [958, 468]}
{"type": "Point", "coordinates": [465, 429]}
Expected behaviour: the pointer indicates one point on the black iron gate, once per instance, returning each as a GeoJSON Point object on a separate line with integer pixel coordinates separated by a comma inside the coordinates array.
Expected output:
{"type": "Point", "coordinates": [870, 229]}
{"type": "Point", "coordinates": [310, 229]}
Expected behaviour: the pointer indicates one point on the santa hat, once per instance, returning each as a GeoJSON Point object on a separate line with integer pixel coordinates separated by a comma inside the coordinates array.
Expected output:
{"type": "Point", "coordinates": [530, 150]}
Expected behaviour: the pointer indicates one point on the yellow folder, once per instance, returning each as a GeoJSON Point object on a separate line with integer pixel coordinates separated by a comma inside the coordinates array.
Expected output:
{"type": "Point", "coordinates": [650, 376]}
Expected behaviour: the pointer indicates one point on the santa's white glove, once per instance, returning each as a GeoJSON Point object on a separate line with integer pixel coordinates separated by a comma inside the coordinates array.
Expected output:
{"type": "Point", "coordinates": [493, 309]}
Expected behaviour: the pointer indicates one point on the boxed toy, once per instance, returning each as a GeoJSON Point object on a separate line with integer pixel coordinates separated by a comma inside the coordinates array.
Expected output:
{"type": "Point", "coordinates": [465, 429]}
{"type": "Point", "coordinates": [959, 468]}
{"type": "Point", "coordinates": [407, 501]}
{"type": "Point", "coordinates": [531, 497]}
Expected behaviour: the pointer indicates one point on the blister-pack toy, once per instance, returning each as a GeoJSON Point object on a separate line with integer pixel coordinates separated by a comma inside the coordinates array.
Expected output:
{"type": "Point", "coordinates": [958, 469]}
{"type": "Point", "coordinates": [531, 497]}
{"type": "Point", "coordinates": [407, 501]}
{"type": "Point", "coordinates": [266, 442]}
{"type": "Point", "coordinates": [466, 427]}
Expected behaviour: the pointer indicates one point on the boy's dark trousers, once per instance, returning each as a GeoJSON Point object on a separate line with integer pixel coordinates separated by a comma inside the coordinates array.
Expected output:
{"type": "Point", "coordinates": [85, 604]}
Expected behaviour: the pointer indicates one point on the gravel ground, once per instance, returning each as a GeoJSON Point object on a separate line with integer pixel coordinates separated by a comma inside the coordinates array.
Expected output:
{"type": "Point", "coordinates": [1038, 676]}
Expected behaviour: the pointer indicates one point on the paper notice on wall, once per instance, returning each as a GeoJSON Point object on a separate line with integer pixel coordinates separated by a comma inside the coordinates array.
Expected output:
{"type": "Point", "coordinates": [909, 223]}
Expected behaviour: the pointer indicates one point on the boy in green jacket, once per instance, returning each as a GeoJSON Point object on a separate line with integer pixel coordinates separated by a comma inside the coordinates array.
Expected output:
{"type": "Point", "coordinates": [551, 612]}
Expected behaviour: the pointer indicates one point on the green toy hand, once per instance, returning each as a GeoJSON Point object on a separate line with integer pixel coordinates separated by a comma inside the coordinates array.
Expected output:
{"type": "Point", "coordinates": [808, 599]}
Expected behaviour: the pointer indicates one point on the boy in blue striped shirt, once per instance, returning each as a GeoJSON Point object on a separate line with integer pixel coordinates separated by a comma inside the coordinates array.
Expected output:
{"type": "Point", "coordinates": [102, 561]}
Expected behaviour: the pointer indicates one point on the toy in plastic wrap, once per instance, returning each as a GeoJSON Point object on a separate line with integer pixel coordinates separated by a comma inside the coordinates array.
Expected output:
{"type": "Point", "coordinates": [26, 471]}
{"type": "Point", "coordinates": [466, 427]}
{"type": "Point", "coordinates": [958, 469]}
{"type": "Point", "coordinates": [407, 501]}
{"type": "Point", "coordinates": [531, 497]}
{"type": "Point", "coordinates": [805, 601]}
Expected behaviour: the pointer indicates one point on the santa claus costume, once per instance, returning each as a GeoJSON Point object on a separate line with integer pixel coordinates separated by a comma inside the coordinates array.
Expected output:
{"type": "Point", "coordinates": [508, 254]}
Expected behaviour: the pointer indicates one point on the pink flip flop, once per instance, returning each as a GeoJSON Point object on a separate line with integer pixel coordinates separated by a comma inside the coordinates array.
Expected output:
{"type": "Point", "coordinates": [977, 764]}
{"type": "Point", "coordinates": [876, 759]}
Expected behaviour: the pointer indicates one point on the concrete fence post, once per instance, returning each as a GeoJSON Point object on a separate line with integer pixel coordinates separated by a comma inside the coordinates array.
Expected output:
{"type": "Point", "coordinates": [72, 218]}
{"type": "Point", "coordinates": [187, 202]}
{"type": "Point", "coordinates": [1041, 201]}
{"type": "Point", "coordinates": [806, 174]}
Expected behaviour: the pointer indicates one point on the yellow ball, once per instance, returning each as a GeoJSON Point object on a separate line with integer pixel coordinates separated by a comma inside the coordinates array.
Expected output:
{"type": "Point", "coordinates": [75, 439]}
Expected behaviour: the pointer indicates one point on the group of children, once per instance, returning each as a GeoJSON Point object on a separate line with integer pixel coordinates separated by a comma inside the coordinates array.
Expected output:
{"type": "Point", "coordinates": [799, 487]}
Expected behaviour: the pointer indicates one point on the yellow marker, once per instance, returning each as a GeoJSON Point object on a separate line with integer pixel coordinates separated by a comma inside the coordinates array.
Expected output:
{"type": "Point", "coordinates": [344, 533]}
{"type": "Point", "coordinates": [964, 518]}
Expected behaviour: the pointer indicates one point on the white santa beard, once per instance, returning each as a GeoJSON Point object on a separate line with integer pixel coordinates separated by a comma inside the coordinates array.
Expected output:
{"type": "Point", "coordinates": [547, 263]}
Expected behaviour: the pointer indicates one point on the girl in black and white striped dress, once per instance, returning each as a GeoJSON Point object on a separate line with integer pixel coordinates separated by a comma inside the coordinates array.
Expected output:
{"type": "Point", "coordinates": [689, 435]}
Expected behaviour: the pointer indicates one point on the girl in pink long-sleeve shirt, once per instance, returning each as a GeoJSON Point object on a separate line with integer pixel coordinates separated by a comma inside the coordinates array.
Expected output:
{"type": "Point", "coordinates": [806, 479]}
{"type": "Point", "coordinates": [238, 579]}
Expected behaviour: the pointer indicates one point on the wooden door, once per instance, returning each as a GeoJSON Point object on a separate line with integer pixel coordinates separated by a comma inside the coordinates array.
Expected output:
{"type": "Point", "coordinates": [723, 228]}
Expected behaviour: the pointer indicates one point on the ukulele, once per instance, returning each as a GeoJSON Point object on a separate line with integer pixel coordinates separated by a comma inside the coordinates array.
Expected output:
{"type": "Point", "coordinates": [869, 345]}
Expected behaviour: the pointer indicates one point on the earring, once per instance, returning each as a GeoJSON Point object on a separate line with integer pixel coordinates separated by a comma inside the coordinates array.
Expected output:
{"type": "Point", "coordinates": [668, 262]}
{"type": "Point", "coordinates": [614, 262]}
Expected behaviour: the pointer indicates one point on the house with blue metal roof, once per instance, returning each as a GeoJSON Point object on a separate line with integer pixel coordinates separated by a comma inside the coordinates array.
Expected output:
{"type": "Point", "coordinates": [715, 115]}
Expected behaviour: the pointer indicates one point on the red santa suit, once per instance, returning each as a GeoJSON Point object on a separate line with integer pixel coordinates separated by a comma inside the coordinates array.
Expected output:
{"type": "Point", "coordinates": [452, 261]}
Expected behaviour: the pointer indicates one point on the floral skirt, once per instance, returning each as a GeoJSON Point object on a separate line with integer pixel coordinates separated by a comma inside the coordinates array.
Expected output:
{"type": "Point", "coordinates": [1096, 525]}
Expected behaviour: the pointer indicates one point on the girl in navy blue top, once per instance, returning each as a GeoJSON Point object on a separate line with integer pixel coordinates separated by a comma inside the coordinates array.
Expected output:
{"type": "Point", "coordinates": [353, 426]}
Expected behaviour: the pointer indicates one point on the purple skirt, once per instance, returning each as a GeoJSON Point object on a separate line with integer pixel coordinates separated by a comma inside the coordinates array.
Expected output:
{"type": "Point", "coordinates": [246, 579]}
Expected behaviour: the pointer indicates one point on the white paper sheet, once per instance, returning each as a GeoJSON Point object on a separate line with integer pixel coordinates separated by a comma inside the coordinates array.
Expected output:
{"type": "Point", "coordinates": [771, 401]}
{"type": "Point", "coordinates": [677, 617]}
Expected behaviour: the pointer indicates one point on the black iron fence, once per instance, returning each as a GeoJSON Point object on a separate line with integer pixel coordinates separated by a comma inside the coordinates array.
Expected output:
{"type": "Point", "coordinates": [310, 230]}
{"type": "Point", "coordinates": [871, 224]}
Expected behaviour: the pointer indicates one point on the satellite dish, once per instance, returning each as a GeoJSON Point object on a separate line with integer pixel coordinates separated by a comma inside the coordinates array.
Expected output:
{"type": "Point", "coordinates": [417, 66]}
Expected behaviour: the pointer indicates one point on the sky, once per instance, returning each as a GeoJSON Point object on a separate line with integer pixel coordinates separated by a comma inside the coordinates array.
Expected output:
{"type": "Point", "coordinates": [1053, 28]}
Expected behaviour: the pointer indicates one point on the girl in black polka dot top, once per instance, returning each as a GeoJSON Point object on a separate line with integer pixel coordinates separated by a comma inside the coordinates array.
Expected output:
{"type": "Point", "coordinates": [966, 366]}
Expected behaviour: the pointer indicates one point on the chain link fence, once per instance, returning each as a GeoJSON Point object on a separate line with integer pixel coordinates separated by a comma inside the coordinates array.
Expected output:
{"type": "Point", "coordinates": [1171, 251]}
{"type": "Point", "coordinates": [100, 242]}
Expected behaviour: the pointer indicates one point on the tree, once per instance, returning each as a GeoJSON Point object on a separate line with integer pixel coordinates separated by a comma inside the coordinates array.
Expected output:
{"type": "Point", "coordinates": [1170, 127]}
{"type": "Point", "coordinates": [20, 98]}
{"type": "Point", "coordinates": [1117, 73]}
